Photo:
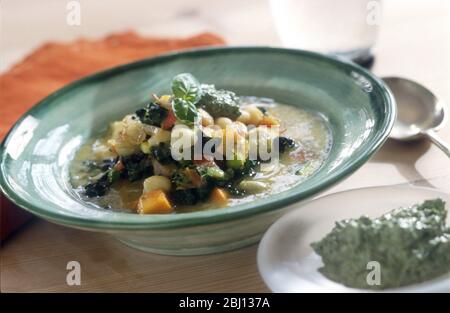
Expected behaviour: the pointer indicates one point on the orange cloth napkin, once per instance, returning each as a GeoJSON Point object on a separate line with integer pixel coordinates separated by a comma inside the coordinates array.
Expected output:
{"type": "Point", "coordinates": [54, 65]}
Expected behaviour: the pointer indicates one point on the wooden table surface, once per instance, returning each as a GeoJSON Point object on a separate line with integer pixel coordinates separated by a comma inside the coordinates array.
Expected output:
{"type": "Point", "coordinates": [414, 42]}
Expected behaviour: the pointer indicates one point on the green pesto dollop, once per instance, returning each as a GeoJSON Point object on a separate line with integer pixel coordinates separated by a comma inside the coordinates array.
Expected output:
{"type": "Point", "coordinates": [411, 245]}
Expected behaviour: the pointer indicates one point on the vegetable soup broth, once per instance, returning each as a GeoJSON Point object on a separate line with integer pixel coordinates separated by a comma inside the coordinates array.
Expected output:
{"type": "Point", "coordinates": [308, 129]}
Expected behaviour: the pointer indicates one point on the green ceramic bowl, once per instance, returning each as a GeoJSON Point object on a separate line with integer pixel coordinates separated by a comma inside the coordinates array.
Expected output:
{"type": "Point", "coordinates": [36, 153]}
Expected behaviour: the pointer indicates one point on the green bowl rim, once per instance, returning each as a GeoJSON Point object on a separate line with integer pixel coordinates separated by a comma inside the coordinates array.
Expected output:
{"type": "Point", "coordinates": [160, 221]}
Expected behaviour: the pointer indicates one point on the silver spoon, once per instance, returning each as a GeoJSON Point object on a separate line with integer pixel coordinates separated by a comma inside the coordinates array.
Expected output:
{"type": "Point", "coordinates": [419, 112]}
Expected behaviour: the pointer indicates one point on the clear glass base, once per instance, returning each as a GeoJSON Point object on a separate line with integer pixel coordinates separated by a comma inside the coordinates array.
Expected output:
{"type": "Point", "coordinates": [360, 56]}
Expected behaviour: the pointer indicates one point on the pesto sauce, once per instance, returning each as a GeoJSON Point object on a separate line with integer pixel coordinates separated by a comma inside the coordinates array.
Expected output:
{"type": "Point", "coordinates": [412, 245]}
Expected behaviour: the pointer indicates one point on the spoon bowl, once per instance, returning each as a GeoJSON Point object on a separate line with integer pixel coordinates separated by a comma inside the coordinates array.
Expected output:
{"type": "Point", "coordinates": [419, 112]}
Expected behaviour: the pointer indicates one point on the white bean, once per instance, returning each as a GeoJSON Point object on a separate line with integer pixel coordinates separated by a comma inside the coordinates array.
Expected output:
{"type": "Point", "coordinates": [252, 186]}
{"type": "Point", "coordinates": [244, 117]}
{"type": "Point", "coordinates": [206, 118]}
{"type": "Point", "coordinates": [223, 122]}
{"type": "Point", "coordinates": [260, 139]}
{"type": "Point", "coordinates": [255, 115]}
{"type": "Point", "coordinates": [240, 128]}
{"type": "Point", "coordinates": [181, 141]}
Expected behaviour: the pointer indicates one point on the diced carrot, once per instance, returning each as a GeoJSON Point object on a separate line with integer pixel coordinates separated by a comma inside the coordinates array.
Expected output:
{"type": "Point", "coordinates": [269, 120]}
{"type": "Point", "coordinates": [154, 202]}
{"type": "Point", "coordinates": [219, 196]}
{"type": "Point", "coordinates": [169, 121]}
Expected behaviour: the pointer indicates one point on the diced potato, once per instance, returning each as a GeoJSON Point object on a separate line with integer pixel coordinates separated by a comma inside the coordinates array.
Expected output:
{"type": "Point", "coordinates": [115, 129]}
{"type": "Point", "coordinates": [154, 202]}
{"type": "Point", "coordinates": [219, 196]}
{"type": "Point", "coordinates": [125, 136]}
{"type": "Point", "coordinates": [160, 135]}
{"type": "Point", "coordinates": [157, 182]}
{"type": "Point", "coordinates": [133, 131]}
{"type": "Point", "coordinates": [122, 147]}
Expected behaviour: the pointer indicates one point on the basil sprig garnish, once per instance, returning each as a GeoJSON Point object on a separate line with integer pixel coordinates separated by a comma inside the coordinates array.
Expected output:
{"type": "Point", "coordinates": [185, 111]}
{"type": "Point", "coordinates": [186, 90]}
{"type": "Point", "coordinates": [186, 87]}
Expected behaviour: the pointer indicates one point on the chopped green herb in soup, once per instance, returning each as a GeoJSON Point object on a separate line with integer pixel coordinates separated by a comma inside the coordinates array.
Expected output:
{"type": "Point", "coordinates": [411, 245]}
{"type": "Point", "coordinates": [199, 148]}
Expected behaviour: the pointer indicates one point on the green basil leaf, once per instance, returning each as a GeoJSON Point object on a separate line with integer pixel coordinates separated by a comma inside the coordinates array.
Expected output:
{"type": "Point", "coordinates": [187, 87]}
{"type": "Point", "coordinates": [185, 111]}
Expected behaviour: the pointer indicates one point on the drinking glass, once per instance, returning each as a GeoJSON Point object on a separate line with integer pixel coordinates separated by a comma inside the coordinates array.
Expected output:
{"type": "Point", "coordinates": [344, 28]}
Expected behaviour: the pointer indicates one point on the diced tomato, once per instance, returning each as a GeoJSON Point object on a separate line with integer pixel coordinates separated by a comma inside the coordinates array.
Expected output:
{"type": "Point", "coordinates": [169, 121]}
{"type": "Point", "coordinates": [194, 177]}
{"type": "Point", "coordinates": [204, 160]}
{"type": "Point", "coordinates": [119, 166]}
{"type": "Point", "coordinates": [301, 155]}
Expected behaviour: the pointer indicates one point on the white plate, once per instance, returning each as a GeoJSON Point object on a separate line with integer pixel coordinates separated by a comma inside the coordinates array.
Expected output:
{"type": "Point", "coordinates": [286, 261]}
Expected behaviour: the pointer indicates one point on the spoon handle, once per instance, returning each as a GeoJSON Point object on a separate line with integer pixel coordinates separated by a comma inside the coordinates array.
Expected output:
{"type": "Point", "coordinates": [438, 141]}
